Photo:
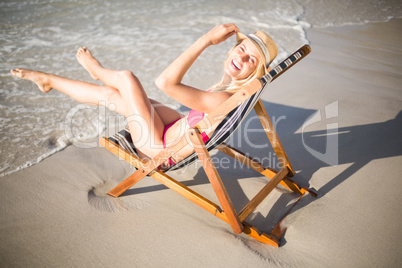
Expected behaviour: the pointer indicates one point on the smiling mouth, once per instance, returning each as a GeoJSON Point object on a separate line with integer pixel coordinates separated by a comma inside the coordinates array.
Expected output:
{"type": "Point", "coordinates": [236, 65]}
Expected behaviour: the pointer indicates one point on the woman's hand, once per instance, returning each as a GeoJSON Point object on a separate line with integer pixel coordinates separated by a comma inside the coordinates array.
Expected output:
{"type": "Point", "coordinates": [220, 33]}
{"type": "Point", "coordinates": [170, 80]}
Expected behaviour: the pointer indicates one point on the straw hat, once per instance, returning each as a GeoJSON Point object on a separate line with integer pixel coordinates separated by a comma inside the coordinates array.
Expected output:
{"type": "Point", "coordinates": [264, 43]}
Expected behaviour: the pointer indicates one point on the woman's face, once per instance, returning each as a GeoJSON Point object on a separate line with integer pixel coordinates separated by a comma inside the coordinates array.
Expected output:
{"type": "Point", "coordinates": [242, 61]}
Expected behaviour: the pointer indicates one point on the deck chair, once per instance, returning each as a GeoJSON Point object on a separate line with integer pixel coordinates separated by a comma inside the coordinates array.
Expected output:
{"type": "Point", "coordinates": [219, 125]}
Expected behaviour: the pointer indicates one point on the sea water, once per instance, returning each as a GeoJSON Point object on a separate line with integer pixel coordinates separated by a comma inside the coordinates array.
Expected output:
{"type": "Point", "coordinates": [143, 36]}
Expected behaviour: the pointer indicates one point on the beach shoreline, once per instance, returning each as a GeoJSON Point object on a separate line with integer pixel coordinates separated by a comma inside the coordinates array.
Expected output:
{"type": "Point", "coordinates": [55, 213]}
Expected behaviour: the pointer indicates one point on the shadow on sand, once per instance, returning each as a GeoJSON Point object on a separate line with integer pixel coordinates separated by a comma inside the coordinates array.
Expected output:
{"type": "Point", "coordinates": [355, 145]}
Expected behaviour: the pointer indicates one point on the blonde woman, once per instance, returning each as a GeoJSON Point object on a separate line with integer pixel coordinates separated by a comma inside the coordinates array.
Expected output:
{"type": "Point", "coordinates": [153, 125]}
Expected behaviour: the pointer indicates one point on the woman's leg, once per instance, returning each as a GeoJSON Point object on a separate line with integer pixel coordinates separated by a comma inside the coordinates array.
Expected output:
{"type": "Point", "coordinates": [141, 111]}
{"type": "Point", "coordinates": [80, 91]}
{"type": "Point", "coordinates": [109, 77]}
{"type": "Point", "coordinates": [134, 104]}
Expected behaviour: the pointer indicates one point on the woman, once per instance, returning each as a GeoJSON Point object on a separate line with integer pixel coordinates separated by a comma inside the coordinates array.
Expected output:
{"type": "Point", "coordinates": [160, 125]}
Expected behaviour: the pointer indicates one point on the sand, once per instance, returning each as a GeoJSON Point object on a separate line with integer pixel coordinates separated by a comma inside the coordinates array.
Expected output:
{"type": "Point", "coordinates": [56, 213]}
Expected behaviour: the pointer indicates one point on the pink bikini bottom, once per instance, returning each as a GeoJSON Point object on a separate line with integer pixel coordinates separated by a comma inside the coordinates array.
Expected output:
{"type": "Point", "coordinates": [171, 162]}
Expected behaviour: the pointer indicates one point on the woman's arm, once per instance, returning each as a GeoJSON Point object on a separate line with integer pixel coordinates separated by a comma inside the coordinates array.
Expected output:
{"type": "Point", "coordinates": [170, 81]}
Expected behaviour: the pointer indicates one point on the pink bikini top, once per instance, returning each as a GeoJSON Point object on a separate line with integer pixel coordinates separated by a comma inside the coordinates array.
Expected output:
{"type": "Point", "coordinates": [194, 117]}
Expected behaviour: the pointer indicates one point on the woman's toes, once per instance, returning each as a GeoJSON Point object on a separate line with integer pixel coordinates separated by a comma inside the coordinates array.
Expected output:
{"type": "Point", "coordinates": [16, 72]}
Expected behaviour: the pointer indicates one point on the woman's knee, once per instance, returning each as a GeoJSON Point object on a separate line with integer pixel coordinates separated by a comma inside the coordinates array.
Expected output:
{"type": "Point", "coordinates": [110, 95]}
{"type": "Point", "coordinates": [111, 99]}
{"type": "Point", "coordinates": [128, 76]}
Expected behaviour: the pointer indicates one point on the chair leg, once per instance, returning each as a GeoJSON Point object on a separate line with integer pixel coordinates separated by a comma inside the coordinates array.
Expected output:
{"type": "Point", "coordinates": [267, 172]}
{"type": "Point", "coordinates": [127, 183]}
{"type": "Point", "coordinates": [216, 181]}
{"type": "Point", "coordinates": [273, 136]}
{"type": "Point", "coordinates": [260, 236]}
{"type": "Point", "coordinates": [144, 168]}
{"type": "Point", "coordinates": [258, 198]}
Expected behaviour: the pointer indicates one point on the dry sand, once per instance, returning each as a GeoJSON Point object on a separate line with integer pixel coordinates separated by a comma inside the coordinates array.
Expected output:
{"type": "Point", "coordinates": [56, 214]}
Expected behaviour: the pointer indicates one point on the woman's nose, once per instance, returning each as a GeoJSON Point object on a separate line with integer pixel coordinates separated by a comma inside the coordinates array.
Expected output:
{"type": "Point", "coordinates": [245, 57]}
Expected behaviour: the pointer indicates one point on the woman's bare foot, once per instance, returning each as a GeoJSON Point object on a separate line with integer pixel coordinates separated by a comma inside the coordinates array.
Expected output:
{"type": "Point", "coordinates": [39, 78]}
{"type": "Point", "coordinates": [85, 58]}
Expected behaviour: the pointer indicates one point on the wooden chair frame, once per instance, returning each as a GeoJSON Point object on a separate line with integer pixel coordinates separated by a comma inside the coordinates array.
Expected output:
{"type": "Point", "coordinates": [227, 211]}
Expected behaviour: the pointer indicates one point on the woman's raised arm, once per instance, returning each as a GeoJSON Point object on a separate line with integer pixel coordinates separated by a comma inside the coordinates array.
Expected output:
{"type": "Point", "coordinates": [170, 81]}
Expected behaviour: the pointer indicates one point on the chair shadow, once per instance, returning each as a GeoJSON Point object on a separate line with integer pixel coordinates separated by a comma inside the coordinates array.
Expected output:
{"type": "Point", "coordinates": [356, 145]}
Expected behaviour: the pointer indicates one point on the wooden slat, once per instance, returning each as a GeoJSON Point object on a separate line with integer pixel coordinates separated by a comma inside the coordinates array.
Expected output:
{"type": "Point", "coordinates": [146, 168]}
{"type": "Point", "coordinates": [167, 180]}
{"type": "Point", "coordinates": [127, 183]}
{"type": "Point", "coordinates": [215, 180]}
{"type": "Point", "coordinates": [258, 198]}
{"type": "Point", "coordinates": [191, 195]}
{"type": "Point", "coordinates": [260, 236]}
{"type": "Point", "coordinates": [270, 173]}
{"type": "Point", "coordinates": [274, 237]}
{"type": "Point", "coordinates": [132, 159]}
{"type": "Point", "coordinates": [273, 136]}
{"type": "Point", "coordinates": [250, 162]}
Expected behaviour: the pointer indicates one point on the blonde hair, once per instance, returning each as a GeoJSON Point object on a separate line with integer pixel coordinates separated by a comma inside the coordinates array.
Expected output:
{"type": "Point", "coordinates": [235, 86]}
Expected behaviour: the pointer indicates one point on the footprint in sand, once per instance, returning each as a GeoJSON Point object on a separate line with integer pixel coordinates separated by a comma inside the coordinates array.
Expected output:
{"type": "Point", "coordinates": [100, 200]}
